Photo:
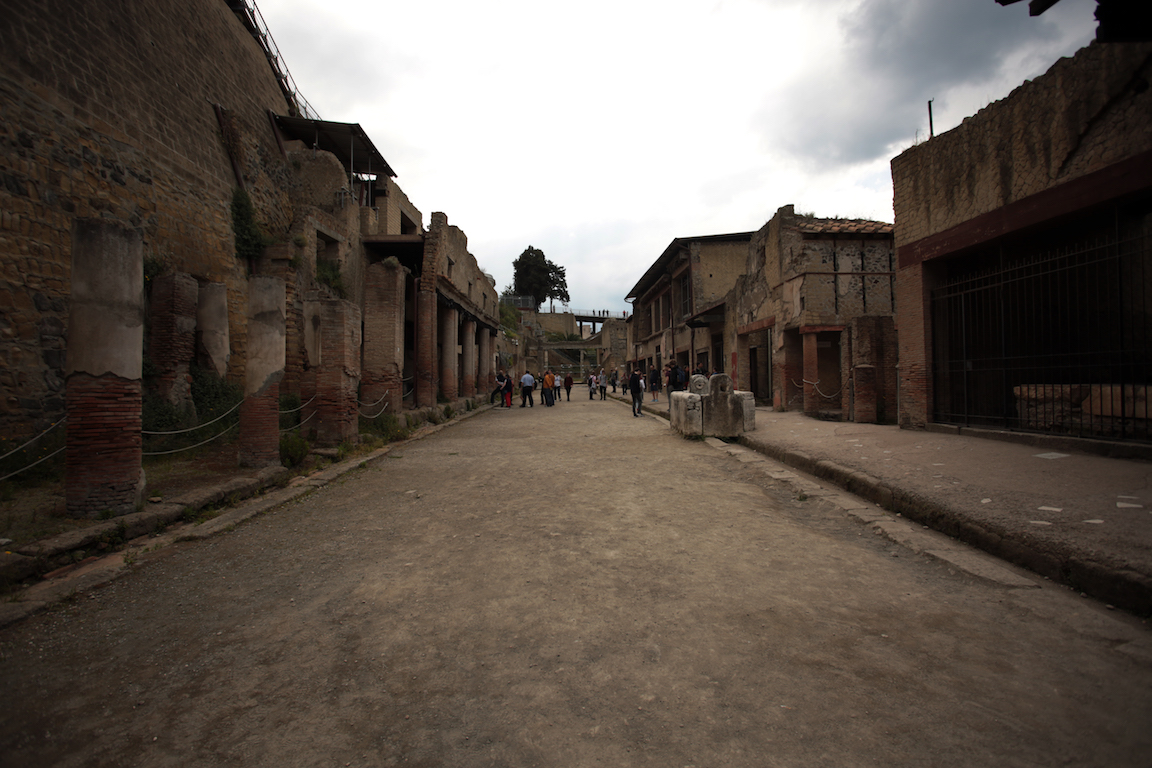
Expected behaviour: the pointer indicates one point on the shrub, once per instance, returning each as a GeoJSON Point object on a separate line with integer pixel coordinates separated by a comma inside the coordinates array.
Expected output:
{"type": "Point", "coordinates": [290, 402]}
{"type": "Point", "coordinates": [387, 426]}
{"type": "Point", "coordinates": [293, 449]}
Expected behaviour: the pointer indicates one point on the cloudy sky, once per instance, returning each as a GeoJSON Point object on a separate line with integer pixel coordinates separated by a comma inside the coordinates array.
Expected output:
{"type": "Point", "coordinates": [599, 131]}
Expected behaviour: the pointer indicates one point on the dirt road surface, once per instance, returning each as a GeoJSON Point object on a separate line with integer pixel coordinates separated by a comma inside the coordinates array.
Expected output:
{"type": "Point", "coordinates": [569, 586]}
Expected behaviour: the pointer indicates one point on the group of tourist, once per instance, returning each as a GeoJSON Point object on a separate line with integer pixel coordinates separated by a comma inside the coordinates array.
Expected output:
{"type": "Point", "coordinates": [549, 386]}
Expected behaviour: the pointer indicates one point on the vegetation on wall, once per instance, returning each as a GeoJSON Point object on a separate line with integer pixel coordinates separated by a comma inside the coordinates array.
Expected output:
{"type": "Point", "coordinates": [250, 240]}
{"type": "Point", "coordinates": [328, 273]}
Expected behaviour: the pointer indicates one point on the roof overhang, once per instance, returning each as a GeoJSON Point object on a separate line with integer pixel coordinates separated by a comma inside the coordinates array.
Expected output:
{"type": "Point", "coordinates": [347, 141]}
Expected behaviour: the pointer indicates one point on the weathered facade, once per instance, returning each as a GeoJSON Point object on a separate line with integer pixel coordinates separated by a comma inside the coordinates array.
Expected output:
{"type": "Point", "coordinates": [1024, 283]}
{"type": "Point", "coordinates": [677, 310]}
{"type": "Point", "coordinates": [809, 324]}
{"type": "Point", "coordinates": [147, 121]}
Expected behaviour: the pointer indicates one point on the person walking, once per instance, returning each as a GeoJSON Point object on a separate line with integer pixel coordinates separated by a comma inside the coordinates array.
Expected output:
{"type": "Point", "coordinates": [568, 382]}
{"type": "Point", "coordinates": [654, 383]}
{"type": "Point", "coordinates": [507, 391]}
{"type": "Point", "coordinates": [527, 382]}
{"type": "Point", "coordinates": [591, 386]}
{"type": "Point", "coordinates": [602, 382]}
{"type": "Point", "coordinates": [556, 387]}
{"type": "Point", "coordinates": [499, 391]}
{"type": "Point", "coordinates": [546, 393]}
{"type": "Point", "coordinates": [636, 387]}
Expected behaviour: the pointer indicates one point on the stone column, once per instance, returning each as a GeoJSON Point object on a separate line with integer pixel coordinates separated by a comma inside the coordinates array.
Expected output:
{"type": "Point", "coordinates": [213, 350]}
{"type": "Point", "coordinates": [260, 411]}
{"type": "Point", "coordinates": [172, 343]}
{"type": "Point", "coordinates": [103, 369]}
{"type": "Point", "coordinates": [332, 345]}
{"type": "Point", "coordinates": [811, 373]}
{"type": "Point", "coordinates": [468, 357]}
{"type": "Point", "coordinates": [449, 377]}
{"type": "Point", "coordinates": [383, 371]}
{"type": "Point", "coordinates": [425, 345]}
{"type": "Point", "coordinates": [485, 379]}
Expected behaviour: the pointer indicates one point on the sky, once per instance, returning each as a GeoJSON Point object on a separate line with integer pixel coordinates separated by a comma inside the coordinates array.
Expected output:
{"type": "Point", "coordinates": [600, 131]}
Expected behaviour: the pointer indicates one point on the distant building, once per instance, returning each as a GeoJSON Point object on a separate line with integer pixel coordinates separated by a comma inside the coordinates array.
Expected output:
{"type": "Point", "coordinates": [678, 312]}
{"type": "Point", "coordinates": [809, 324]}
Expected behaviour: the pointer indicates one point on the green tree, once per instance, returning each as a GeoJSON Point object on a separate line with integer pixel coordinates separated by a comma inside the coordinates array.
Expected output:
{"type": "Point", "coordinates": [534, 275]}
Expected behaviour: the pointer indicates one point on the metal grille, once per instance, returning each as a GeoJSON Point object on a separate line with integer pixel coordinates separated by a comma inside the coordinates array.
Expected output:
{"type": "Point", "coordinates": [1055, 341]}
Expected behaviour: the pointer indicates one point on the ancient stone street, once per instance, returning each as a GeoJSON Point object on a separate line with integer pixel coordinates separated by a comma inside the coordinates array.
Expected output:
{"type": "Point", "coordinates": [569, 586]}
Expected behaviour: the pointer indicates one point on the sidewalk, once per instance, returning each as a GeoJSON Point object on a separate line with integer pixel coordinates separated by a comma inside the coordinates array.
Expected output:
{"type": "Point", "coordinates": [1079, 519]}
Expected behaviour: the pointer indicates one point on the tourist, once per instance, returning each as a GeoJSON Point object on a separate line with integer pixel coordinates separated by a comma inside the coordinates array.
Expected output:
{"type": "Point", "coordinates": [527, 382]}
{"type": "Point", "coordinates": [602, 382]}
{"type": "Point", "coordinates": [508, 387]}
{"type": "Point", "coordinates": [654, 383]}
{"type": "Point", "coordinates": [636, 387]}
{"type": "Point", "coordinates": [499, 389]}
{"type": "Point", "coordinates": [546, 393]}
{"type": "Point", "coordinates": [591, 386]}
{"type": "Point", "coordinates": [568, 382]}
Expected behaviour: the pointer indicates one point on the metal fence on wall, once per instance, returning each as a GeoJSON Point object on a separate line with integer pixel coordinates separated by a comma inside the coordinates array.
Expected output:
{"type": "Point", "coordinates": [1055, 342]}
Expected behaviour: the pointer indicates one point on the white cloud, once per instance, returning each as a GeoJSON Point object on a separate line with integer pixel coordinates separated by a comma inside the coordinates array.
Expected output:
{"type": "Point", "coordinates": [600, 131]}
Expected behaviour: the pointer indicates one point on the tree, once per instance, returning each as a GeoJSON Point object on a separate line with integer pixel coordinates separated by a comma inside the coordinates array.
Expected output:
{"type": "Point", "coordinates": [534, 275]}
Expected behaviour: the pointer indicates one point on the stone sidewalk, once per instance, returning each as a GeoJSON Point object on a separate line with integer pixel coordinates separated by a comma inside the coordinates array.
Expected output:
{"type": "Point", "coordinates": [1078, 518]}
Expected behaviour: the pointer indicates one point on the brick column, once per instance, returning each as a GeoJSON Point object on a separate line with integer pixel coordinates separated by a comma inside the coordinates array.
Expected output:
{"type": "Point", "coordinates": [172, 341]}
{"type": "Point", "coordinates": [468, 357]}
{"type": "Point", "coordinates": [213, 348]}
{"type": "Point", "coordinates": [383, 367]}
{"type": "Point", "coordinates": [102, 370]}
{"type": "Point", "coordinates": [332, 343]}
{"type": "Point", "coordinates": [425, 345]}
{"type": "Point", "coordinates": [260, 411]}
{"type": "Point", "coordinates": [485, 379]}
{"type": "Point", "coordinates": [915, 339]}
{"type": "Point", "coordinates": [864, 390]}
{"type": "Point", "coordinates": [811, 373]}
{"type": "Point", "coordinates": [449, 375]}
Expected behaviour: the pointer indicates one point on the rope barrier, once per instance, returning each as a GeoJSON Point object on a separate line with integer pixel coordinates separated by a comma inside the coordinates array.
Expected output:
{"type": "Point", "coordinates": [377, 415]}
{"type": "Point", "coordinates": [289, 429]}
{"type": "Point", "coordinates": [14, 450]}
{"type": "Point", "coordinates": [372, 405]}
{"type": "Point", "coordinates": [817, 388]}
{"type": "Point", "coordinates": [190, 447]}
{"type": "Point", "coordinates": [305, 405]}
{"type": "Point", "coordinates": [45, 458]}
{"type": "Point", "coordinates": [199, 426]}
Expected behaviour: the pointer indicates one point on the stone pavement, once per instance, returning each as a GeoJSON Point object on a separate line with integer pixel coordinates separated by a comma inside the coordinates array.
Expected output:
{"type": "Point", "coordinates": [1077, 518]}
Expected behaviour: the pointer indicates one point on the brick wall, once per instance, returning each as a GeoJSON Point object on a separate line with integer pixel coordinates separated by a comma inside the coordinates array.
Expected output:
{"type": "Point", "coordinates": [109, 113]}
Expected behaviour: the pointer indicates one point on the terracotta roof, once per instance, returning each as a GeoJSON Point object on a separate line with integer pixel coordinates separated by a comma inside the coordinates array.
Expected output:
{"type": "Point", "coordinates": [843, 227]}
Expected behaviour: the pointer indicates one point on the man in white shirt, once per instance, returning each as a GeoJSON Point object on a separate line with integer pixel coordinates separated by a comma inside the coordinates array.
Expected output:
{"type": "Point", "coordinates": [526, 385]}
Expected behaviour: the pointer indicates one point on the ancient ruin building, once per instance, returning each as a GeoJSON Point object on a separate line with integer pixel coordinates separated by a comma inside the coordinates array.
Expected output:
{"type": "Point", "coordinates": [678, 312]}
{"type": "Point", "coordinates": [809, 324]}
{"type": "Point", "coordinates": [1024, 279]}
{"type": "Point", "coordinates": [271, 248]}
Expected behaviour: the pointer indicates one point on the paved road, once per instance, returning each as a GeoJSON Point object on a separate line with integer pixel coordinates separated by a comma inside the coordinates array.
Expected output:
{"type": "Point", "coordinates": [570, 587]}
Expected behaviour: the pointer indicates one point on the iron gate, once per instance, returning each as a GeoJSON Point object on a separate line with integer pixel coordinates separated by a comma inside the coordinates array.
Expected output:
{"type": "Point", "coordinates": [1050, 339]}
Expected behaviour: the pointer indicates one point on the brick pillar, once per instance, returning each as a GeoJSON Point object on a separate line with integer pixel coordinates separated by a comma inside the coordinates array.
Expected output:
{"type": "Point", "coordinates": [260, 411]}
{"type": "Point", "coordinates": [913, 285]}
{"type": "Point", "coordinates": [383, 370]}
{"type": "Point", "coordinates": [172, 341]}
{"type": "Point", "coordinates": [485, 379]}
{"type": "Point", "coordinates": [449, 375]}
{"type": "Point", "coordinates": [102, 370]}
{"type": "Point", "coordinates": [864, 390]}
{"type": "Point", "coordinates": [812, 399]}
{"type": "Point", "coordinates": [212, 347]}
{"type": "Point", "coordinates": [790, 364]}
{"type": "Point", "coordinates": [468, 357]}
{"type": "Point", "coordinates": [425, 345]}
{"type": "Point", "coordinates": [332, 344]}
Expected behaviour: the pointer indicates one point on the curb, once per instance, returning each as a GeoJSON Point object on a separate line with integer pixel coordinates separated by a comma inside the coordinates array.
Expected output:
{"type": "Point", "coordinates": [1112, 583]}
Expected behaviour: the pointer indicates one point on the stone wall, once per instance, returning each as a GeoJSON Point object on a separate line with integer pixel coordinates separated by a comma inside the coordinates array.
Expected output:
{"type": "Point", "coordinates": [1084, 114]}
{"type": "Point", "coordinates": [108, 113]}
